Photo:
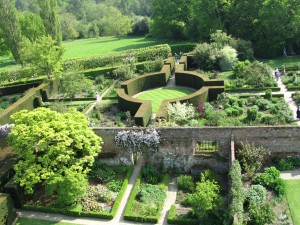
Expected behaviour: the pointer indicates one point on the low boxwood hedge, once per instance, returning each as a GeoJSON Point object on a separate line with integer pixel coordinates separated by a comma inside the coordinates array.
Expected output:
{"type": "Point", "coordinates": [172, 219]}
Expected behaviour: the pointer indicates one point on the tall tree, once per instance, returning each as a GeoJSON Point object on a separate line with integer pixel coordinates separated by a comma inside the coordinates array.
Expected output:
{"type": "Point", "coordinates": [206, 17]}
{"type": "Point", "coordinates": [50, 19]}
{"type": "Point", "coordinates": [55, 150]}
{"type": "Point", "coordinates": [170, 18]}
{"type": "Point", "coordinates": [43, 56]}
{"type": "Point", "coordinates": [10, 27]}
{"type": "Point", "coordinates": [32, 26]}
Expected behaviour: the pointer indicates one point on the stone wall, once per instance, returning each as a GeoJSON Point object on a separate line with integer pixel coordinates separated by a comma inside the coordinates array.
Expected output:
{"type": "Point", "coordinates": [177, 144]}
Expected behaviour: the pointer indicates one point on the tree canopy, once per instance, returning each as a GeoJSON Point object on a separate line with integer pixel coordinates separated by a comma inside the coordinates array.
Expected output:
{"type": "Point", "coordinates": [43, 55]}
{"type": "Point", "coordinates": [52, 148]}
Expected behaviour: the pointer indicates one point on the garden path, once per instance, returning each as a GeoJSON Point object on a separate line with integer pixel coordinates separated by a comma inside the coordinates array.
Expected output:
{"type": "Point", "coordinates": [99, 98]}
{"type": "Point", "coordinates": [118, 219]}
{"type": "Point", "coordinates": [288, 98]}
{"type": "Point", "coordinates": [290, 174]}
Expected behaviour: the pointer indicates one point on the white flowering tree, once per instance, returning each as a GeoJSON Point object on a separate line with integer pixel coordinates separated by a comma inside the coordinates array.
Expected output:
{"type": "Point", "coordinates": [135, 141]}
{"type": "Point", "coordinates": [5, 130]}
{"type": "Point", "coordinates": [181, 113]}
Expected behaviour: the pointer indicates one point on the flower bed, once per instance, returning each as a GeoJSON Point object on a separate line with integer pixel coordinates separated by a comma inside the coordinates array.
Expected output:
{"type": "Point", "coordinates": [106, 188]}
{"type": "Point", "coordinates": [148, 196]}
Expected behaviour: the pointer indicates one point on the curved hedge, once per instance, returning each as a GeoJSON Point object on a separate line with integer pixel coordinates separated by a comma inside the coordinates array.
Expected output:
{"type": "Point", "coordinates": [208, 89]}
{"type": "Point", "coordinates": [140, 109]}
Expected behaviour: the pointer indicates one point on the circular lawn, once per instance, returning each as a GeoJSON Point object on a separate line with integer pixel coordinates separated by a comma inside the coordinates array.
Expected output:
{"type": "Point", "coordinates": [158, 95]}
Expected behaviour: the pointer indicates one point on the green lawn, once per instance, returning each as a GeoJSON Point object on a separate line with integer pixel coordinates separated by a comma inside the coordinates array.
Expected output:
{"type": "Point", "coordinates": [279, 62]}
{"type": "Point", "coordinates": [98, 46]}
{"type": "Point", "coordinates": [158, 95]}
{"type": "Point", "coordinates": [293, 197]}
{"type": "Point", "coordinates": [23, 221]}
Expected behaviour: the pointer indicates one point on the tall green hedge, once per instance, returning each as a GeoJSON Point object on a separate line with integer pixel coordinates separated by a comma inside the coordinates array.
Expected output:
{"type": "Point", "coordinates": [145, 82]}
{"type": "Point", "coordinates": [26, 102]}
{"type": "Point", "coordinates": [140, 109]}
{"type": "Point", "coordinates": [237, 193]}
{"type": "Point", "coordinates": [141, 54]}
{"type": "Point", "coordinates": [7, 211]}
{"type": "Point", "coordinates": [19, 88]}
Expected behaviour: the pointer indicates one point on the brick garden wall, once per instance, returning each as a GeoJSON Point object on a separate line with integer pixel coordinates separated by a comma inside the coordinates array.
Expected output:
{"type": "Point", "coordinates": [177, 145]}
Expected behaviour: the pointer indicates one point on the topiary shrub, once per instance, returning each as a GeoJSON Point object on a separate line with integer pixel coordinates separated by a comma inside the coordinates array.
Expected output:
{"type": "Point", "coordinates": [7, 210]}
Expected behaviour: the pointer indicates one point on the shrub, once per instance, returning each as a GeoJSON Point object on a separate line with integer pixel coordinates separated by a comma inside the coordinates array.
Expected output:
{"type": "Point", "coordinates": [68, 188]}
{"type": "Point", "coordinates": [149, 193]}
{"type": "Point", "coordinates": [270, 178]}
{"type": "Point", "coordinates": [245, 50]}
{"type": "Point", "coordinates": [251, 157]}
{"type": "Point", "coordinates": [257, 73]}
{"type": "Point", "coordinates": [206, 198]}
{"type": "Point", "coordinates": [256, 194]}
{"type": "Point", "coordinates": [205, 56]}
{"type": "Point", "coordinates": [268, 94]}
{"type": "Point", "coordinates": [239, 68]}
{"type": "Point", "coordinates": [115, 185]}
{"type": "Point", "coordinates": [181, 113]}
{"type": "Point", "coordinates": [101, 172]}
{"type": "Point", "coordinates": [185, 183]}
{"type": "Point", "coordinates": [234, 111]}
{"type": "Point", "coordinates": [252, 113]}
{"type": "Point", "coordinates": [228, 57]}
{"type": "Point", "coordinates": [261, 213]}
{"type": "Point", "coordinates": [151, 174]}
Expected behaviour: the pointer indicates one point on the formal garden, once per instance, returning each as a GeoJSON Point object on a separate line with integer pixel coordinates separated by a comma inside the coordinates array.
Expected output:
{"type": "Point", "coordinates": [92, 93]}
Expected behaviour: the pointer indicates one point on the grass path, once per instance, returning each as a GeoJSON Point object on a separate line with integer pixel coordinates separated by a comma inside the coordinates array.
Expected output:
{"type": "Point", "coordinates": [293, 197]}
{"type": "Point", "coordinates": [158, 95]}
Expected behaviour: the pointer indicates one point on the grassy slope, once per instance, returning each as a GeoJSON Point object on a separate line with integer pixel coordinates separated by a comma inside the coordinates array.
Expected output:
{"type": "Point", "coordinates": [293, 196]}
{"type": "Point", "coordinates": [158, 95]}
{"type": "Point", "coordinates": [98, 46]}
{"type": "Point", "coordinates": [23, 221]}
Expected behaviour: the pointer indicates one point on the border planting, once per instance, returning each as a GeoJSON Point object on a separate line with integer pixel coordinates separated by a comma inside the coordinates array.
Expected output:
{"type": "Point", "coordinates": [76, 210]}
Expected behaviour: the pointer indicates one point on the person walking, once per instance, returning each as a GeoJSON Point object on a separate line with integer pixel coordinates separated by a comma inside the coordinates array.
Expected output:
{"type": "Point", "coordinates": [298, 113]}
{"type": "Point", "coordinates": [277, 74]}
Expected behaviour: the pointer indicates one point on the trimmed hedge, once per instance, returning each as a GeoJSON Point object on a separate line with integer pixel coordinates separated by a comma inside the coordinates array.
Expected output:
{"type": "Point", "coordinates": [26, 102]}
{"type": "Point", "coordinates": [293, 88]}
{"type": "Point", "coordinates": [140, 109]}
{"type": "Point", "coordinates": [185, 48]}
{"type": "Point", "coordinates": [7, 211]}
{"type": "Point", "coordinates": [108, 71]}
{"type": "Point", "coordinates": [19, 88]}
{"type": "Point", "coordinates": [172, 219]}
{"type": "Point", "coordinates": [141, 54]}
{"type": "Point", "coordinates": [145, 82]}
{"type": "Point", "coordinates": [15, 74]}
{"type": "Point", "coordinates": [183, 60]}
{"type": "Point", "coordinates": [238, 90]}
{"type": "Point", "coordinates": [6, 171]}
{"type": "Point", "coordinates": [76, 210]}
